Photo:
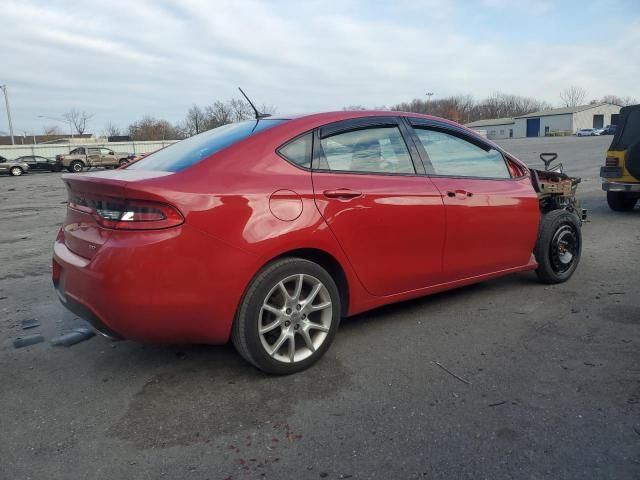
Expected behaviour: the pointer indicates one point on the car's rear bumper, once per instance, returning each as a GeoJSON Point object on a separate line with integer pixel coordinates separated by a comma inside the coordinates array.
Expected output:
{"type": "Point", "coordinates": [171, 286]}
{"type": "Point", "coordinates": [620, 187]}
{"type": "Point", "coordinates": [83, 312]}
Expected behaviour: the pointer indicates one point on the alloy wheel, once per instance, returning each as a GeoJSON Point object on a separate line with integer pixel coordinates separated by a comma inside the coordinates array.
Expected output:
{"type": "Point", "coordinates": [295, 318]}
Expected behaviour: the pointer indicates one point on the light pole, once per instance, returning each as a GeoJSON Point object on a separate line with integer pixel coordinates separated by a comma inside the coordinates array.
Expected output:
{"type": "Point", "coordinates": [59, 120]}
{"type": "Point", "coordinates": [6, 102]}
{"type": "Point", "coordinates": [429, 95]}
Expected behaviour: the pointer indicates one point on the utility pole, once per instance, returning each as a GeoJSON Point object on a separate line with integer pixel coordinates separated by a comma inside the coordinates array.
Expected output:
{"type": "Point", "coordinates": [6, 102]}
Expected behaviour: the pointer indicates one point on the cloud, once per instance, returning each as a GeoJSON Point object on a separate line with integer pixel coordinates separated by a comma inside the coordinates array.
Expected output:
{"type": "Point", "coordinates": [122, 59]}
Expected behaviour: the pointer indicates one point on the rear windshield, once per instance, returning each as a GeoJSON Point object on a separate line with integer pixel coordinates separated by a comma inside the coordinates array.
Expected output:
{"type": "Point", "coordinates": [190, 151]}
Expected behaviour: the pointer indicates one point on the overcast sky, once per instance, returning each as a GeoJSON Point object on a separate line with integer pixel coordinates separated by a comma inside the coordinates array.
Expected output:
{"type": "Point", "coordinates": [122, 59]}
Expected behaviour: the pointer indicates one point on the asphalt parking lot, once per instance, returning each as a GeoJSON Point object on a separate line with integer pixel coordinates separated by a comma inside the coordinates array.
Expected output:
{"type": "Point", "coordinates": [553, 374]}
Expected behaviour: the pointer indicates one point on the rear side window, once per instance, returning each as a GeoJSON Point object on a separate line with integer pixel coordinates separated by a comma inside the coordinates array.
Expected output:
{"type": "Point", "coordinates": [631, 130]}
{"type": "Point", "coordinates": [190, 151]}
{"type": "Point", "coordinates": [453, 156]}
{"type": "Point", "coordinates": [298, 150]}
{"type": "Point", "coordinates": [371, 150]}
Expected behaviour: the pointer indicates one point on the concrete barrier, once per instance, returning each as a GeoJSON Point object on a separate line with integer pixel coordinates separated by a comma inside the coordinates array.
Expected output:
{"type": "Point", "coordinates": [50, 150]}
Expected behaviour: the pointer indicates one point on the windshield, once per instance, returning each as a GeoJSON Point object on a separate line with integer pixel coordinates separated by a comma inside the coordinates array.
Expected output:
{"type": "Point", "coordinates": [190, 151]}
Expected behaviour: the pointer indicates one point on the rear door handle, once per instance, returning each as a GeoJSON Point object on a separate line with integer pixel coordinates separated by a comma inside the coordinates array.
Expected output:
{"type": "Point", "coordinates": [461, 194]}
{"type": "Point", "coordinates": [342, 193]}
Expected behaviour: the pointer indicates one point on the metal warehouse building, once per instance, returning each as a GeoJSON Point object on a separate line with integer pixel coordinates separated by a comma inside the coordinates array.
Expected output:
{"type": "Point", "coordinates": [565, 121]}
{"type": "Point", "coordinates": [495, 129]}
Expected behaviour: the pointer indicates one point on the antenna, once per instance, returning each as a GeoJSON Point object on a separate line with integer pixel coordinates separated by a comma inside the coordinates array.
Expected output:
{"type": "Point", "coordinates": [256, 111]}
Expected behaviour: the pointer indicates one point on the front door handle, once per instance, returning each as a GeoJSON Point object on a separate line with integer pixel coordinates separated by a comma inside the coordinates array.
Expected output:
{"type": "Point", "coordinates": [342, 193]}
{"type": "Point", "coordinates": [461, 194]}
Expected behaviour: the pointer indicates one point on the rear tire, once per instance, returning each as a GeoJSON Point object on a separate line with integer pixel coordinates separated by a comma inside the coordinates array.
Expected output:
{"type": "Point", "coordinates": [123, 161]}
{"type": "Point", "coordinates": [288, 316]}
{"type": "Point", "coordinates": [76, 166]}
{"type": "Point", "coordinates": [16, 171]}
{"type": "Point", "coordinates": [559, 246]}
{"type": "Point", "coordinates": [621, 201]}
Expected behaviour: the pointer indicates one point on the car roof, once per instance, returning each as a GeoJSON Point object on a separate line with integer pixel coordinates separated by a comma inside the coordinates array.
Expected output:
{"type": "Point", "coordinates": [303, 122]}
{"type": "Point", "coordinates": [336, 116]}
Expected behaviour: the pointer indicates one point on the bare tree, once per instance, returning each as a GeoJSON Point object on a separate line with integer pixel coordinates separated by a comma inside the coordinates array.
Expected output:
{"type": "Point", "coordinates": [241, 110]}
{"type": "Point", "coordinates": [573, 96]}
{"type": "Point", "coordinates": [464, 109]}
{"type": "Point", "coordinates": [616, 100]}
{"type": "Point", "coordinates": [149, 128]}
{"type": "Point", "coordinates": [51, 130]}
{"type": "Point", "coordinates": [78, 119]}
{"type": "Point", "coordinates": [268, 109]}
{"type": "Point", "coordinates": [195, 122]}
{"type": "Point", "coordinates": [218, 113]}
{"type": "Point", "coordinates": [112, 130]}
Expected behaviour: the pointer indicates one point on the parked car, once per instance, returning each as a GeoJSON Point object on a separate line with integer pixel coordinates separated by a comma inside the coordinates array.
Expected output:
{"type": "Point", "coordinates": [270, 231]}
{"type": "Point", "coordinates": [587, 132]}
{"type": "Point", "coordinates": [609, 130]}
{"type": "Point", "coordinates": [38, 163]}
{"type": "Point", "coordinates": [13, 167]}
{"type": "Point", "coordinates": [621, 172]}
{"type": "Point", "coordinates": [88, 157]}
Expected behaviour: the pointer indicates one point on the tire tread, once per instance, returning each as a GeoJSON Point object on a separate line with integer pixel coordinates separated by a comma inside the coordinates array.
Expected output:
{"type": "Point", "coordinates": [239, 327]}
{"type": "Point", "coordinates": [548, 226]}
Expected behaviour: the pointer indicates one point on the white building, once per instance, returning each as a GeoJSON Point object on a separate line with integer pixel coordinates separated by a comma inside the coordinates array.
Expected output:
{"type": "Point", "coordinates": [493, 129]}
{"type": "Point", "coordinates": [565, 121]}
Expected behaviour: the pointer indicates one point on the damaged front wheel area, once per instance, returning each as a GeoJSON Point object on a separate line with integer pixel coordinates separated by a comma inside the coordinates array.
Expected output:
{"type": "Point", "coordinates": [558, 247]}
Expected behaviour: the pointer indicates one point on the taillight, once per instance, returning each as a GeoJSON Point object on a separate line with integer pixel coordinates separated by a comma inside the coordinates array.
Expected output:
{"type": "Point", "coordinates": [127, 214]}
{"type": "Point", "coordinates": [611, 161]}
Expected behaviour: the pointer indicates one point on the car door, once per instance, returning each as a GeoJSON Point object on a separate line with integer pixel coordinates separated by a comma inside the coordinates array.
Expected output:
{"type": "Point", "coordinates": [370, 188]}
{"type": "Point", "coordinates": [108, 157]}
{"type": "Point", "coordinates": [491, 207]}
{"type": "Point", "coordinates": [41, 163]}
{"type": "Point", "coordinates": [93, 157]}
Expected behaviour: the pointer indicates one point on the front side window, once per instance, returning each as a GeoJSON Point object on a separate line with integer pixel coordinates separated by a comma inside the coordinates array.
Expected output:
{"type": "Point", "coordinates": [453, 156]}
{"type": "Point", "coordinates": [106, 151]}
{"type": "Point", "coordinates": [77, 151]}
{"type": "Point", "coordinates": [188, 152]}
{"type": "Point", "coordinates": [94, 151]}
{"type": "Point", "coordinates": [373, 150]}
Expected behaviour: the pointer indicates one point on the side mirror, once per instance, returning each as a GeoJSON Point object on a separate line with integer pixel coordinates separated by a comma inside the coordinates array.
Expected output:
{"type": "Point", "coordinates": [111, 153]}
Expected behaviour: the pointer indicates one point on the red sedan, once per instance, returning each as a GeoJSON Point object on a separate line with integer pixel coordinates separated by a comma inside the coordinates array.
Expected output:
{"type": "Point", "coordinates": [270, 231]}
